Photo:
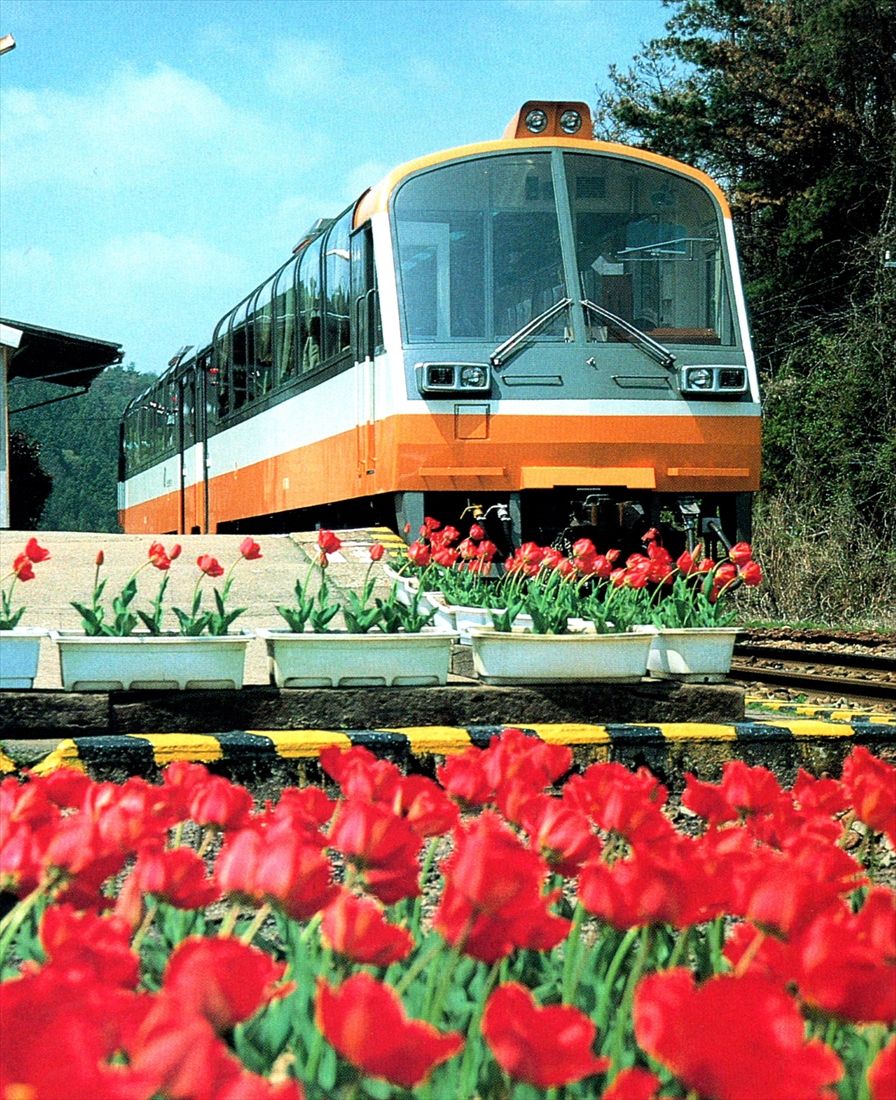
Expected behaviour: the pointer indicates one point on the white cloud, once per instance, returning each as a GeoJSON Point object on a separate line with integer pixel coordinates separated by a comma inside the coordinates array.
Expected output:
{"type": "Point", "coordinates": [139, 127]}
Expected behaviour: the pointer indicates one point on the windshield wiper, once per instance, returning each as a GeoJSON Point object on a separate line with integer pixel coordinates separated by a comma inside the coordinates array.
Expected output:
{"type": "Point", "coordinates": [503, 352]}
{"type": "Point", "coordinates": [646, 343]}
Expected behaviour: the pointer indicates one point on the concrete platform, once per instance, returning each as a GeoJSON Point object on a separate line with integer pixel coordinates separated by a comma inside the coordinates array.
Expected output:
{"type": "Point", "coordinates": [459, 703]}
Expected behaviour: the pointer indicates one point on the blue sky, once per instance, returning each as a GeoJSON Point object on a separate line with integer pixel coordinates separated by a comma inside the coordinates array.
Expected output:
{"type": "Point", "coordinates": [161, 157]}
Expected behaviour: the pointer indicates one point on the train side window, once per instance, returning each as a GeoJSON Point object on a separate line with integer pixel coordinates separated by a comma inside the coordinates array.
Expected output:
{"type": "Point", "coordinates": [240, 354]}
{"type": "Point", "coordinates": [337, 283]}
{"type": "Point", "coordinates": [285, 320]}
{"type": "Point", "coordinates": [219, 391]}
{"type": "Point", "coordinates": [187, 394]}
{"type": "Point", "coordinates": [366, 318]}
{"type": "Point", "coordinates": [310, 306]}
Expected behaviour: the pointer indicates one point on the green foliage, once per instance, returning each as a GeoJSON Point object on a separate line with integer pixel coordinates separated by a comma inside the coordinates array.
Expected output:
{"type": "Point", "coordinates": [78, 440]}
{"type": "Point", "coordinates": [789, 104]}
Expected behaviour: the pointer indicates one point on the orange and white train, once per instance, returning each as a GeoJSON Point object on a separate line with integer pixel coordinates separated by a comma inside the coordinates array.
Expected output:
{"type": "Point", "coordinates": [546, 331]}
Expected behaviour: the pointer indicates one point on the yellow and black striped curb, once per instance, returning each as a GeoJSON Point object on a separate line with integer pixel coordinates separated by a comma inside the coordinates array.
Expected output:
{"type": "Point", "coordinates": [825, 712]}
{"type": "Point", "coordinates": [139, 753]}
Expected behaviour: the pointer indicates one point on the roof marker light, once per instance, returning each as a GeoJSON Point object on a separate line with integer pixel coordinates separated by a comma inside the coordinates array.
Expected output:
{"type": "Point", "coordinates": [570, 122]}
{"type": "Point", "coordinates": [536, 121]}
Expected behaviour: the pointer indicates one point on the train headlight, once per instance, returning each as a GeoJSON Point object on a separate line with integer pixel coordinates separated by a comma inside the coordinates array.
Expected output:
{"type": "Point", "coordinates": [473, 377]}
{"type": "Point", "coordinates": [449, 378]}
{"type": "Point", "coordinates": [713, 381]}
{"type": "Point", "coordinates": [570, 122]}
{"type": "Point", "coordinates": [536, 121]}
{"type": "Point", "coordinates": [699, 379]}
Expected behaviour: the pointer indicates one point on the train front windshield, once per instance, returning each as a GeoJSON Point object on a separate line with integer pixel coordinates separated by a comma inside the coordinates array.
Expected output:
{"type": "Point", "coordinates": [481, 249]}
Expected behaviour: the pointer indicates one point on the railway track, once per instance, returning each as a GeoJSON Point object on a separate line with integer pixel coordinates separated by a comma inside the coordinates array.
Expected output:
{"type": "Point", "coordinates": [847, 667]}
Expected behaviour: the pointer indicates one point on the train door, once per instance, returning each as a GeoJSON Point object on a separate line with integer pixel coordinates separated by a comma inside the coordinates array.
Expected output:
{"type": "Point", "coordinates": [366, 337]}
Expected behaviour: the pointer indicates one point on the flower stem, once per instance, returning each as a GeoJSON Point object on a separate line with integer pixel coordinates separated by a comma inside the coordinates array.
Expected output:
{"type": "Point", "coordinates": [623, 1016]}
{"type": "Point", "coordinates": [570, 970]}
{"type": "Point", "coordinates": [257, 921]}
{"type": "Point", "coordinates": [600, 1015]}
{"type": "Point", "coordinates": [16, 917]}
{"type": "Point", "coordinates": [145, 925]}
{"type": "Point", "coordinates": [230, 919]}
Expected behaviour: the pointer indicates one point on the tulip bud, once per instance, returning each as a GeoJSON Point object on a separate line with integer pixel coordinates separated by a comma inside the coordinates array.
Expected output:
{"type": "Point", "coordinates": [100, 557]}
{"type": "Point", "coordinates": [377, 551]}
{"type": "Point", "coordinates": [175, 551]}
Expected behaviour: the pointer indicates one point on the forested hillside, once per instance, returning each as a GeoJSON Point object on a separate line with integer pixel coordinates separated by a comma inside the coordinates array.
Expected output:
{"type": "Point", "coordinates": [77, 446]}
{"type": "Point", "coordinates": [791, 105]}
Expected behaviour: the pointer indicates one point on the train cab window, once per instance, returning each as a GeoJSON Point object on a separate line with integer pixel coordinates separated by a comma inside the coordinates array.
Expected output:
{"type": "Point", "coordinates": [337, 285]}
{"type": "Point", "coordinates": [479, 249]}
{"type": "Point", "coordinates": [310, 306]}
{"type": "Point", "coordinates": [649, 249]}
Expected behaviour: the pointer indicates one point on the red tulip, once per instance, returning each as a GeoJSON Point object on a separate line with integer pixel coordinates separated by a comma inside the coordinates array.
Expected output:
{"type": "Point", "coordinates": [751, 574]}
{"type": "Point", "coordinates": [89, 946]}
{"type": "Point", "coordinates": [100, 557]}
{"type": "Point", "coordinates": [34, 552]}
{"type": "Point", "coordinates": [846, 963]}
{"type": "Point", "coordinates": [174, 875]}
{"type": "Point", "coordinates": [222, 979]}
{"type": "Point", "coordinates": [377, 551]}
{"type": "Point", "coordinates": [328, 541]}
{"type": "Point", "coordinates": [357, 928]}
{"type": "Point", "coordinates": [366, 1022]}
{"type": "Point", "coordinates": [545, 1047]}
{"type": "Point", "coordinates": [210, 565]}
{"type": "Point", "coordinates": [740, 553]}
{"type": "Point", "coordinates": [871, 786]}
{"type": "Point", "coordinates": [492, 902]}
{"type": "Point", "coordinates": [382, 846]}
{"type": "Point", "coordinates": [175, 551]}
{"type": "Point", "coordinates": [23, 567]}
{"type": "Point", "coordinates": [732, 1038]}
{"type": "Point", "coordinates": [158, 557]}
{"type": "Point", "coordinates": [477, 532]}
{"type": "Point", "coordinates": [419, 554]}
{"type": "Point", "coordinates": [249, 549]}
{"type": "Point", "coordinates": [217, 801]}
{"type": "Point", "coordinates": [632, 1084]}
{"type": "Point", "coordinates": [882, 1074]}
{"type": "Point", "coordinates": [280, 865]}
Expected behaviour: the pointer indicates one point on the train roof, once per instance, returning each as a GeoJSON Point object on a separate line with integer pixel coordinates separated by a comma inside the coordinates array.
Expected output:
{"type": "Point", "coordinates": [517, 136]}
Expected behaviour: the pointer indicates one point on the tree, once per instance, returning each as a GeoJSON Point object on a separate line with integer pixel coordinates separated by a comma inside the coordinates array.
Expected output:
{"type": "Point", "coordinates": [29, 483]}
{"type": "Point", "coordinates": [791, 105]}
{"type": "Point", "coordinates": [79, 446]}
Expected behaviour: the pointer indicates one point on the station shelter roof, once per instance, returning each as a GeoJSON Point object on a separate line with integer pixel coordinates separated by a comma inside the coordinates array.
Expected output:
{"type": "Point", "coordinates": [59, 357]}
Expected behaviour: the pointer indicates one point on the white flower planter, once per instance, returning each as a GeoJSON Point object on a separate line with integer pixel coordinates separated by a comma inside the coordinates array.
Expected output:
{"type": "Point", "coordinates": [468, 619]}
{"type": "Point", "coordinates": [696, 655]}
{"type": "Point", "coordinates": [552, 658]}
{"type": "Point", "coordinates": [19, 654]}
{"type": "Point", "coordinates": [358, 660]}
{"type": "Point", "coordinates": [151, 662]}
{"type": "Point", "coordinates": [408, 587]}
